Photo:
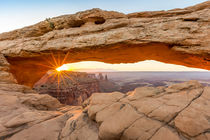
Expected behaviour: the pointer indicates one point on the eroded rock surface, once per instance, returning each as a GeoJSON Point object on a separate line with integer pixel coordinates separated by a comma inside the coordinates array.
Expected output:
{"type": "Point", "coordinates": [151, 113]}
{"type": "Point", "coordinates": [187, 29]}
{"type": "Point", "coordinates": [177, 112]}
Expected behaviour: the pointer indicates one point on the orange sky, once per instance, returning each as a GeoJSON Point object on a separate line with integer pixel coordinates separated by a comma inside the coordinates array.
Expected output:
{"type": "Point", "coordinates": [148, 65]}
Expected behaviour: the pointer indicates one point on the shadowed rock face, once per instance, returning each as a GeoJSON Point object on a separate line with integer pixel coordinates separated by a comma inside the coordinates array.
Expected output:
{"type": "Point", "coordinates": [71, 88]}
{"type": "Point", "coordinates": [178, 36]}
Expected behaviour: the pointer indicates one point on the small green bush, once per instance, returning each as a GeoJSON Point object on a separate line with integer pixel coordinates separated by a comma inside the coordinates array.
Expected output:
{"type": "Point", "coordinates": [52, 26]}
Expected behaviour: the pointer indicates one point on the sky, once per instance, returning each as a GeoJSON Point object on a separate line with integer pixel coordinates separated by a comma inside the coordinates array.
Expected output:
{"type": "Point", "coordinates": [16, 14]}
{"type": "Point", "coordinates": [148, 65]}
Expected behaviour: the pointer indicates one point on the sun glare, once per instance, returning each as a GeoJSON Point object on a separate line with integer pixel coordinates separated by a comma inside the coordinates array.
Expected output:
{"type": "Point", "coordinates": [64, 68]}
{"type": "Point", "coordinates": [148, 65]}
{"type": "Point", "coordinates": [59, 67]}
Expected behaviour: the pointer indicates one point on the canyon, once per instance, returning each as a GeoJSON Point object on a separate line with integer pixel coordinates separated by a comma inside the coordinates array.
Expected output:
{"type": "Point", "coordinates": [70, 88]}
{"type": "Point", "coordinates": [73, 88]}
{"type": "Point", "coordinates": [177, 112]}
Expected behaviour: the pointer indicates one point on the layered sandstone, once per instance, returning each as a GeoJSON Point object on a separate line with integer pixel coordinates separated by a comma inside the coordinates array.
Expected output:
{"type": "Point", "coordinates": [178, 36]}
{"type": "Point", "coordinates": [70, 88]}
{"type": "Point", "coordinates": [73, 88]}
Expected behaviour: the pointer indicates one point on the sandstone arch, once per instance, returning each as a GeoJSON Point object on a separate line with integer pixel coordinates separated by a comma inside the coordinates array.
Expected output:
{"type": "Point", "coordinates": [178, 36]}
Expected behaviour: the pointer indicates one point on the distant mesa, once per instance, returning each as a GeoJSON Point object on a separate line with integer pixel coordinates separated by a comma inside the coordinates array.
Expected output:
{"type": "Point", "coordinates": [95, 70]}
{"type": "Point", "coordinates": [72, 87]}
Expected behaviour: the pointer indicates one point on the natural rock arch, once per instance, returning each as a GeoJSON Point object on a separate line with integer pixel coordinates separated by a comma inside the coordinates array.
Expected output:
{"type": "Point", "coordinates": [179, 36]}
{"type": "Point", "coordinates": [29, 70]}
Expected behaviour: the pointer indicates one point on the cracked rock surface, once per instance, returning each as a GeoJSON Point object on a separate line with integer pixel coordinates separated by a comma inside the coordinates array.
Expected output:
{"type": "Point", "coordinates": [151, 113]}
{"type": "Point", "coordinates": [178, 112]}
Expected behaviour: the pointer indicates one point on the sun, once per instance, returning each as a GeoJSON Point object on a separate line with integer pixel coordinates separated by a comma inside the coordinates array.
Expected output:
{"type": "Point", "coordinates": [65, 67]}
{"type": "Point", "coordinates": [58, 68]}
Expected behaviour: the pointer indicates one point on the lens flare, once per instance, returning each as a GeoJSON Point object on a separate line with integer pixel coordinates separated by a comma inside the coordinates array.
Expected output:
{"type": "Point", "coordinates": [65, 67]}
{"type": "Point", "coordinates": [58, 68]}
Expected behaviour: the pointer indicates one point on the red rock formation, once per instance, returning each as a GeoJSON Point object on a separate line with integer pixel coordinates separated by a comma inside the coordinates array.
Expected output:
{"type": "Point", "coordinates": [178, 36]}
{"type": "Point", "coordinates": [70, 88]}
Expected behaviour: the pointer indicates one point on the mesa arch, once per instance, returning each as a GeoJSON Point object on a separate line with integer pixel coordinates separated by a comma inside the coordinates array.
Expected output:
{"type": "Point", "coordinates": [181, 112]}
{"type": "Point", "coordinates": [178, 36]}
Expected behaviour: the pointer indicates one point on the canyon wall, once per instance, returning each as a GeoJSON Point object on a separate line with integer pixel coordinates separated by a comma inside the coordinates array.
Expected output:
{"type": "Point", "coordinates": [70, 88]}
{"type": "Point", "coordinates": [73, 88]}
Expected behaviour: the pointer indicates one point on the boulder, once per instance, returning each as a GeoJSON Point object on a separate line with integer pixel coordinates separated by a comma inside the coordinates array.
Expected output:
{"type": "Point", "coordinates": [195, 119]}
